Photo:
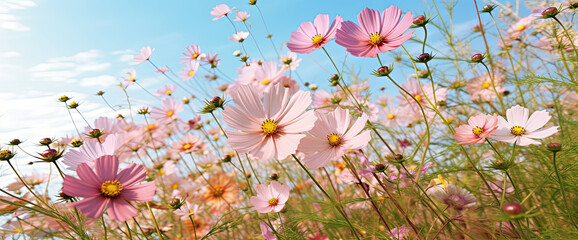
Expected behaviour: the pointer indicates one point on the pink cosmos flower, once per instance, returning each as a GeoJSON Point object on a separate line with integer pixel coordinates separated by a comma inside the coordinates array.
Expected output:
{"type": "Point", "coordinates": [220, 11]}
{"type": "Point", "coordinates": [261, 76]}
{"type": "Point", "coordinates": [270, 198]}
{"type": "Point", "coordinates": [89, 151]}
{"type": "Point", "coordinates": [332, 137]}
{"type": "Point", "coordinates": [187, 144]}
{"type": "Point", "coordinates": [165, 90]}
{"type": "Point", "coordinates": [169, 111]}
{"type": "Point", "coordinates": [131, 77]}
{"type": "Point", "coordinates": [480, 88]}
{"type": "Point", "coordinates": [477, 129]}
{"type": "Point", "coordinates": [193, 53]}
{"type": "Point", "coordinates": [189, 70]}
{"type": "Point", "coordinates": [239, 36]}
{"type": "Point", "coordinates": [395, 116]}
{"type": "Point", "coordinates": [311, 36]}
{"type": "Point", "coordinates": [267, 232]}
{"type": "Point", "coordinates": [144, 55]}
{"type": "Point", "coordinates": [211, 59]}
{"type": "Point", "coordinates": [520, 129]}
{"type": "Point", "coordinates": [399, 232]}
{"type": "Point", "coordinates": [162, 70]}
{"type": "Point", "coordinates": [290, 60]}
{"type": "Point", "coordinates": [377, 33]}
{"type": "Point", "coordinates": [271, 129]}
{"type": "Point", "coordinates": [103, 188]}
{"type": "Point", "coordinates": [242, 16]}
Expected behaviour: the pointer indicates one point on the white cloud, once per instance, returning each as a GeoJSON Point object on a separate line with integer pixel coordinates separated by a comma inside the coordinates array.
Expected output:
{"type": "Point", "coordinates": [8, 20]}
{"type": "Point", "coordinates": [71, 68]}
{"type": "Point", "coordinates": [101, 81]}
{"type": "Point", "coordinates": [10, 54]}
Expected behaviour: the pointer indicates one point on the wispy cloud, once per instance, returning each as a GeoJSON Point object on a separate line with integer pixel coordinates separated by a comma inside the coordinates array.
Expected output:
{"type": "Point", "coordinates": [8, 20]}
{"type": "Point", "coordinates": [72, 69]}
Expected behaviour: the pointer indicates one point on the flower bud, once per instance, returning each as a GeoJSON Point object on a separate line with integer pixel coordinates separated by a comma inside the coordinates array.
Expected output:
{"type": "Point", "coordinates": [176, 203]}
{"type": "Point", "coordinates": [45, 141]}
{"type": "Point", "coordinates": [488, 8]}
{"type": "Point", "coordinates": [76, 142]}
{"type": "Point", "coordinates": [63, 98]}
{"type": "Point", "coordinates": [554, 147]}
{"type": "Point", "coordinates": [143, 111]}
{"type": "Point", "coordinates": [420, 21]}
{"type": "Point", "coordinates": [398, 157]}
{"type": "Point", "coordinates": [6, 155]}
{"type": "Point", "coordinates": [73, 105]}
{"type": "Point", "coordinates": [15, 142]}
{"type": "Point", "coordinates": [512, 208]}
{"type": "Point", "coordinates": [252, 2]}
{"type": "Point", "coordinates": [274, 177]}
{"type": "Point", "coordinates": [100, 93]}
{"type": "Point", "coordinates": [380, 167]}
{"type": "Point", "coordinates": [95, 133]}
{"type": "Point", "coordinates": [477, 58]}
{"type": "Point", "coordinates": [424, 58]}
{"type": "Point", "coordinates": [550, 12]}
{"type": "Point", "coordinates": [226, 159]}
{"type": "Point", "coordinates": [313, 87]}
{"type": "Point", "coordinates": [383, 71]}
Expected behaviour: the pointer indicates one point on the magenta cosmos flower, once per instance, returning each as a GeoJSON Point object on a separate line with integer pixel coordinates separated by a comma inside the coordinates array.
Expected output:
{"type": "Point", "coordinates": [272, 132]}
{"type": "Point", "coordinates": [376, 34]}
{"type": "Point", "coordinates": [103, 188]}
{"type": "Point", "coordinates": [270, 198]}
{"type": "Point", "coordinates": [144, 55]}
{"type": "Point", "coordinates": [477, 129]}
{"type": "Point", "coordinates": [332, 136]}
{"type": "Point", "coordinates": [314, 35]}
{"type": "Point", "coordinates": [522, 130]}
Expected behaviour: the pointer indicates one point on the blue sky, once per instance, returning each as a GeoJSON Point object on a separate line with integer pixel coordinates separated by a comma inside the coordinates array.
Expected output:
{"type": "Point", "coordinates": [56, 47]}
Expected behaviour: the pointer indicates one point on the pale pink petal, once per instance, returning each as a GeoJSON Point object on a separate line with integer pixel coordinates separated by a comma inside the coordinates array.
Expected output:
{"type": "Point", "coordinates": [140, 192]}
{"type": "Point", "coordinates": [537, 120]}
{"type": "Point", "coordinates": [92, 207]}
{"type": "Point", "coordinates": [121, 210]}
{"type": "Point", "coordinates": [131, 175]}
{"type": "Point", "coordinates": [79, 188]}
{"type": "Point", "coordinates": [86, 174]}
{"type": "Point", "coordinates": [525, 141]}
{"type": "Point", "coordinates": [542, 133]}
{"type": "Point", "coordinates": [517, 115]}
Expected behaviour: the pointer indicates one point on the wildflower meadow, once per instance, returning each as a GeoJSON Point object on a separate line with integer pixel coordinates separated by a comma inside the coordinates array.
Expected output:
{"type": "Point", "coordinates": [402, 125]}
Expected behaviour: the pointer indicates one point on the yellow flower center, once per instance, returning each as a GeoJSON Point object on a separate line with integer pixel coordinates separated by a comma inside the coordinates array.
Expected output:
{"type": "Point", "coordinates": [521, 27]}
{"type": "Point", "coordinates": [390, 116]}
{"type": "Point", "coordinates": [417, 97]}
{"type": "Point", "coordinates": [273, 201]}
{"type": "Point", "coordinates": [175, 186]}
{"type": "Point", "coordinates": [486, 85]}
{"type": "Point", "coordinates": [191, 211]}
{"type": "Point", "coordinates": [191, 73]}
{"type": "Point", "coordinates": [170, 113]}
{"type": "Point", "coordinates": [266, 81]}
{"type": "Point", "coordinates": [110, 188]}
{"type": "Point", "coordinates": [161, 172]}
{"type": "Point", "coordinates": [269, 126]}
{"type": "Point", "coordinates": [375, 39]}
{"type": "Point", "coordinates": [187, 146]}
{"type": "Point", "coordinates": [168, 92]}
{"type": "Point", "coordinates": [478, 130]}
{"type": "Point", "coordinates": [195, 55]}
{"type": "Point", "coordinates": [517, 130]}
{"type": "Point", "coordinates": [334, 139]}
{"type": "Point", "coordinates": [317, 39]}
{"type": "Point", "coordinates": [218, 191]}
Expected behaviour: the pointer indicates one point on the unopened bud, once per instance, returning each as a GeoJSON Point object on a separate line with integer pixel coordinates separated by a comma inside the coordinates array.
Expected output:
{"type": "Point", "coordinates": [380, 167]}
{"type": "Point", "coordinates": [554, 147]}
{"type": "Point", "coordinates": [274, 177]}
{"type": "Point", "coordinates": [15, 142]}
{"type": "Point", "coordinates": [550, 12]}
{"type": "Point", "coordinates": [477, 58]}
{"type": "Point", "coordinates": [45, 141]}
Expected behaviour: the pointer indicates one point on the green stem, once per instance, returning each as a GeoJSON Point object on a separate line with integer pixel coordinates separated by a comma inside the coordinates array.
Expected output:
{"type": "Point", "coordinates": [328, 196]}
{"type": "Point", "coordinates": [154, 221]}
{"type": "Point", "coordinates": [570, 215]}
